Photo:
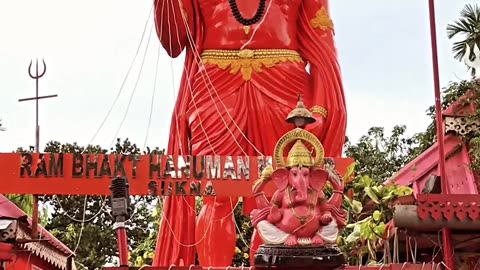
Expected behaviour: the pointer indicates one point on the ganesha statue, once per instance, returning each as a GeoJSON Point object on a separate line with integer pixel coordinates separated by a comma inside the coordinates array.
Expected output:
{"type": "Point", "coordinates": [299, 214]}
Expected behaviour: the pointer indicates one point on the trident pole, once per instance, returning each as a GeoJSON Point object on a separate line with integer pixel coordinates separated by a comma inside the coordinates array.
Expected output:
{"type": "Point", "coordinates": [446, 237]}
{"type": "Point", "coordinates": [36, 77]}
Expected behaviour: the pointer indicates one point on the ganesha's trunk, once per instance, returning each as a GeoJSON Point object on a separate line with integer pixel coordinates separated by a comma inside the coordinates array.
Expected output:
{"type": "Point", "coordinates": [302, 191]}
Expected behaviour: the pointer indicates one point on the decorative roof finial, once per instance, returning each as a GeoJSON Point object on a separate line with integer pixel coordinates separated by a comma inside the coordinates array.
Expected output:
{"type": "Point", "coordinates": [300, 116]}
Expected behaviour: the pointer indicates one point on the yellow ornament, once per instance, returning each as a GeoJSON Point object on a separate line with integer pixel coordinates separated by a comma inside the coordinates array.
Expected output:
{"type": "Point", "coordinates": [299, 156]}
{"type": "Point", "coordinates": [322, 20]}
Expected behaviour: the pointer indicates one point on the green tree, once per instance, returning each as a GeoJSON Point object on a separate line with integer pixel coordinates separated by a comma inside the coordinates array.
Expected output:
{"type": "Point", "coordinates": [377, 157]}
{"type": "Point", "coordinates": [468, 28]}
{"type": "Point", "coordinates": [380, 156]}
{"type": "Point", "coordinates": [244, 231]}
{"type": "Point", "coordinates": [450, 94]}
{"type": "Point", "coordinates": [25, 202]}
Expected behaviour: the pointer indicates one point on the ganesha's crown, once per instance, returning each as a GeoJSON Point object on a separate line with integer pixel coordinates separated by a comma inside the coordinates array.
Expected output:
{"type": "Point", "coordinates": [299, 156]}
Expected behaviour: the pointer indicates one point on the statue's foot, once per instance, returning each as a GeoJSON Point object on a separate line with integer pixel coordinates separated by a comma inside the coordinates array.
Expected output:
{"type": "Point", "coordinates": [291, 241]}
{"type": "Point", "coordinates": [317, 240]}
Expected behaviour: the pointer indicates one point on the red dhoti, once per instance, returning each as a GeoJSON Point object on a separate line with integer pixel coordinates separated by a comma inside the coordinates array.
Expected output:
{"type": "Point", "coordinates": [237, 106]}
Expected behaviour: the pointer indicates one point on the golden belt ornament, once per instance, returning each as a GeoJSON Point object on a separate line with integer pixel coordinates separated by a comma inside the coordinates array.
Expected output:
{"type": "Point", "coordinates": [247, 61]}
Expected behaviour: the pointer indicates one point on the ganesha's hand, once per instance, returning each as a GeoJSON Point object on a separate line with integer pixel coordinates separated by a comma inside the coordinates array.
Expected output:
{"type": "Point", "coordinates": [275, 215]}
{"type": "Point", "coordinates": [326, 219]}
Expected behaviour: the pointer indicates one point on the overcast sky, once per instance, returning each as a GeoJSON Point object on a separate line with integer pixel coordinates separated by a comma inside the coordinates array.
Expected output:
{"type": "Point", "coordinates": [384, 50]}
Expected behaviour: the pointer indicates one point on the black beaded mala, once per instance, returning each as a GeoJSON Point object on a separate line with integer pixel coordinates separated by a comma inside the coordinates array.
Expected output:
{"type": "Point", "coordinates": [247, 22]}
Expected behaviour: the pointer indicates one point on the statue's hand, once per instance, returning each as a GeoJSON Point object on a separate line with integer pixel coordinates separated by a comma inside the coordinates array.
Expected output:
{"type": "Point", "coordinates": [317, 126]}
{"type": "Point", "coordinates": [275, 215]}
{"type": "Point", "coordinates": [326, 219]}
{"type": "Point", "coordinates": [320, 119]}
{"type": "Point", "coordinates": [319, 113]}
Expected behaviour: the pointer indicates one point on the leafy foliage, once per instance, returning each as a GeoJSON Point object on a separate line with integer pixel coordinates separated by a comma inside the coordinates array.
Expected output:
{"type": "Point", "coordinates": [145, 249]}
{"type": "Point", "coordinates": [244, 234]}
{"type": "Point", "coordinates": [380, 156]}
{"type": "Point", "coordinates": [370, 208]}
{"type": "Point", "coordinates": [24, 202]}
{"type": "Point", "coordinates": [367, 200]}
{"type": "Point", "coordinates": [468, 27]}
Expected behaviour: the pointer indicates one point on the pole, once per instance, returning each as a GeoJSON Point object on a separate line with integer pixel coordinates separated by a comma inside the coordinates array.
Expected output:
{"type": "Point", "coordinates": [121, 210]}
{"type": "Point", "coordinates": [36, 77]}
{"type": "Point", "coordinates": [122, 242]}
{"type": "Point", "coordinates": [37, 150]}
{"type": "Point", "coordinates": [37, 128]}
{"type": "Point", "coordinates": [447, 245]}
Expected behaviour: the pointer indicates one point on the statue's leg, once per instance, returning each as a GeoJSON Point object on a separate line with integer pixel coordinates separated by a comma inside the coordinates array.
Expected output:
{"type": "Point", "coordinates": [213, 132]}
{"type": "Point", "coordinates": [274, 236]}
{"type": "Point", "coordinates": [215, 231]}
{"type": "Point", "coordinates": [329, 233]}
{"type": "Point", "coordinates": [176, 236]}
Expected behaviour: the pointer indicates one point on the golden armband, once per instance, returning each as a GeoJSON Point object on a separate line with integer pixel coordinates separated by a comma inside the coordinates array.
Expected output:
{"type": "Point", "coordinates": [319, 110]}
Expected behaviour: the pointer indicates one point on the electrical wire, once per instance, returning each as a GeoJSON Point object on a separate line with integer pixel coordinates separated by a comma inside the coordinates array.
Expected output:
{"type": "Point", "coordinates": [120, 90]}
{"type": "Point", "coordinates": [83, 225]}
{"type": "Point", "coordinates": [104, 200]}
{"type": "Point", "coordinates": [152, 99]}
{"type": "Point", "coordinates": [134, 88]}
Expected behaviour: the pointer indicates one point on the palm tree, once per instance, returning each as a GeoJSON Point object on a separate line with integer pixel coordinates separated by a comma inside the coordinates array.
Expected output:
{"type": "Point", "coordinates": [468, 27]}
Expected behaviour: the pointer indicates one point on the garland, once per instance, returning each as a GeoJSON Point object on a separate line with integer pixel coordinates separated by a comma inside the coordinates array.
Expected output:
{"type": "Point", "coordinates": [247, 22]}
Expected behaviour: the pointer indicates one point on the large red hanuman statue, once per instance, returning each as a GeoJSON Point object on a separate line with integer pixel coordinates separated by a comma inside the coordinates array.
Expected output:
{"type": "Point", "coordinates": [245, 64]}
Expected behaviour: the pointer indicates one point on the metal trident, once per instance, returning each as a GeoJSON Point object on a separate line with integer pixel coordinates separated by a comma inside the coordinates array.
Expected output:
{"type": "Point", "coordinates": [36, 77]}
{"type": "Point", "coordinates": [37, 134]}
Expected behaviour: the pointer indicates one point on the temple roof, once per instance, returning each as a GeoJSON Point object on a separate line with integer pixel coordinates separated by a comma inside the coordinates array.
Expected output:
{"type": "Point", "coordinates": [54, 252]}
{"type": "Point", "coordinates": [461, 107]}
{"type": "Point", "coordinates": [456, 155]}
{"type": "Point", "coordinates": [460, 177]}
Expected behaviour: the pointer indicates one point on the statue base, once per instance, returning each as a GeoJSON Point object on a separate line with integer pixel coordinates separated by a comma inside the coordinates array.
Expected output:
{"type": "Point", "coordinates": [311, 257]}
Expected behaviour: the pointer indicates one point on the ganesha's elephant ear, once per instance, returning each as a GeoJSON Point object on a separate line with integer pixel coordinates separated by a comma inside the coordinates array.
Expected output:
{"type": "Point", "coordinates": [280, 178]}
{"type": "Point", "coordinates": [318, 179]}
